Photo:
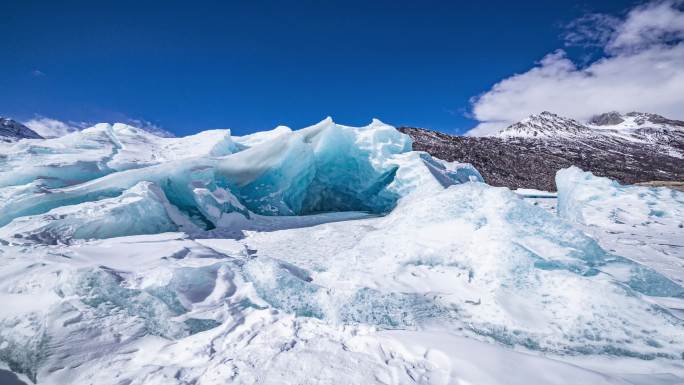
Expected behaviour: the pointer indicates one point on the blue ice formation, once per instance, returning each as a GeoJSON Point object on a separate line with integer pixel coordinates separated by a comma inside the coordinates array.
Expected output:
{"type": "Point", "coordinates": [323, 168]}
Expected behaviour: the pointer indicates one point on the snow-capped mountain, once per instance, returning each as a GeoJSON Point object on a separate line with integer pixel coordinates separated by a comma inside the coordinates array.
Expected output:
{"type": "Point", "coordinates": [634, 126]}
{"type": "Point", "coordinates": [11, 131]}
{"type": "Point", "coordinates": [634, 121]}
{"type": "Point", "coordinates": [631, 148]}
{"type": "Point", "coordinates": [545, 126]}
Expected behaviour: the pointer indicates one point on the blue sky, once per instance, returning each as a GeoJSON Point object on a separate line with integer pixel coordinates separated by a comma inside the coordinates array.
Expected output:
{"type": "Point", "coordinates": [248, 66]}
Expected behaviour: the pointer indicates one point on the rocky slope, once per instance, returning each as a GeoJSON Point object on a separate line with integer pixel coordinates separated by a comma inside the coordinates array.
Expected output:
{"type": "Point", "coordinates": [11, 131]}
{"type": "Point", "coordinates": [631, 148]}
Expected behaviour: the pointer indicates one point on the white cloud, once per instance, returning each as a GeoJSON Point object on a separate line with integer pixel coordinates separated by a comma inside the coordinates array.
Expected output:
{"type": "Point", "coordinates": [652, 24]}
{"type": "Point", "coordinates": [51, 128]}
{"type": "Point", "coordinates": [642, 70]}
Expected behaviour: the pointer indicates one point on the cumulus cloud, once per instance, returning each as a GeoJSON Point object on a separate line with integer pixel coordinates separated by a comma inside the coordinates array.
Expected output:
{"type": "Point", "coordinates": [642, 69]}
{"type": "Point", "coordinates": [656, 23]}
{"type": "Point", "coordinates": [52, 128]}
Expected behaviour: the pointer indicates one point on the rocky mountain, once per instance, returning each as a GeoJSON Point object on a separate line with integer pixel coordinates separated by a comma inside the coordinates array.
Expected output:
{"type": "Point", "coordinates": [631, 148]}
{"type": "Point", "coordinates": [545, 125]}
{"type": "Point", "coordinates": [11, 131]}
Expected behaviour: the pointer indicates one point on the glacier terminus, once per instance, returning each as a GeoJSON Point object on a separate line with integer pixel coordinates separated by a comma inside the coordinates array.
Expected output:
{"type": "Point", "coordinates": [325, 255]}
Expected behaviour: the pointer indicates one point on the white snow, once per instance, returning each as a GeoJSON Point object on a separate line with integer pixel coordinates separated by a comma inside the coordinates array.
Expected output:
{"type": "Point", "coordinates": [326, 255]}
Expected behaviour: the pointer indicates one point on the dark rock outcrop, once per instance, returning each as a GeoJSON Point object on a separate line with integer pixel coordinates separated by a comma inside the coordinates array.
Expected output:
{"type": "Point", "coordinates": [607, 119]}
{"type": "Point", "coordinates": [643, 154]}
{"type": "Point", "coordinates": [11, 130]}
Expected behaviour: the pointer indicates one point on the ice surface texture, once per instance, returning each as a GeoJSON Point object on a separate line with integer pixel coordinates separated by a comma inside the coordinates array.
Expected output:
{"type": "Point", "coordinates": [481, 259]}
{"type": "Point", "coordinates": [142, 209]}
{"type": "Point", "coordinates": [643, 223]}
{"type": "Point", "coordinates": [590, 200]}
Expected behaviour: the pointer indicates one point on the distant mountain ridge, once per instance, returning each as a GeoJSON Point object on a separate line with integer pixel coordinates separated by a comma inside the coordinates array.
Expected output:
{"type": "Point", "coordinates": [635, 126]}
{"type": "Point", "coordinates": [545, 125]}
{"type": "Point", "coordinates": [11, 131]}
{"type": "Point", "coordinates": [634, 120]}
{"type": "Point", "coordinates": [45, 128]}
{"type": "Point", "coordinates": [633, 147]}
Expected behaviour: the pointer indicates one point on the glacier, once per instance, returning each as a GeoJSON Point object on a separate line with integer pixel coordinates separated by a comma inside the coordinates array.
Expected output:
{"type": "Point", "coordinates": [328, 254]}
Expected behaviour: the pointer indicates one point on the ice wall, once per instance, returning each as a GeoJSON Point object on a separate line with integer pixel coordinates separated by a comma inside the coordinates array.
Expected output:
{"type": "Point", "coordinates": [323, 168]}
{"type": "Point", "coordinates": [326, 167]}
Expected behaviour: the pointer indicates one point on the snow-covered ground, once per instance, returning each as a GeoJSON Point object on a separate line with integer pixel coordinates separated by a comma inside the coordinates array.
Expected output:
{"type": "Point", "coordinates": [327, 255]}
